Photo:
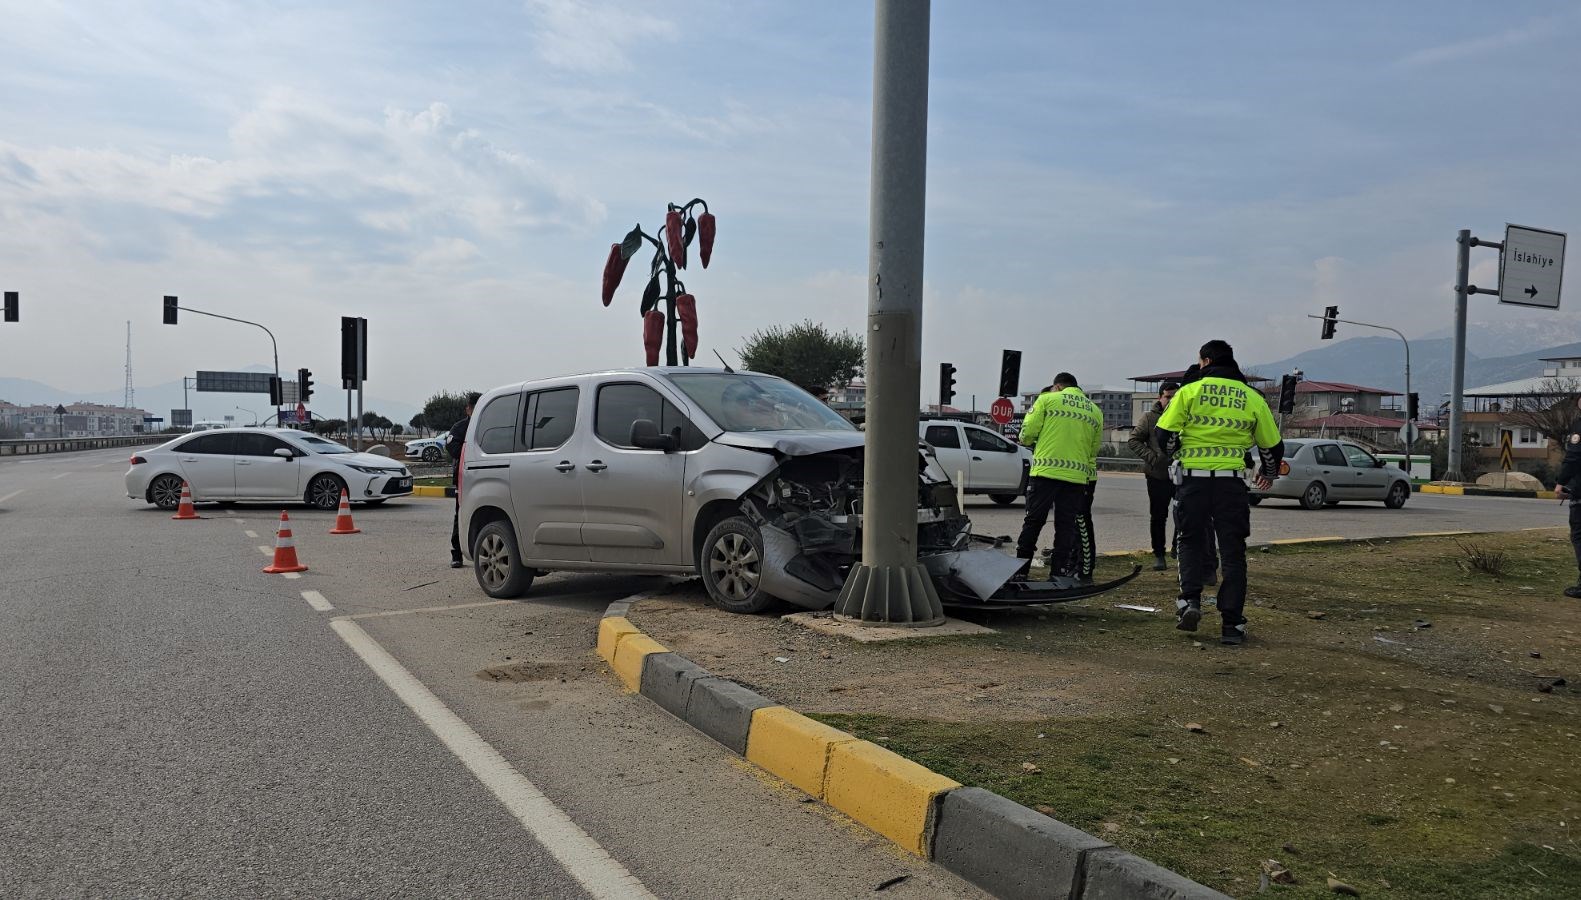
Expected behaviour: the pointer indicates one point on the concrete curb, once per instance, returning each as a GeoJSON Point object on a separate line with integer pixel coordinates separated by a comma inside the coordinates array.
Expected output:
{"type": "Point", "coordinates": [1001, 846]}
{"type": "Point", "coordinates": [432, 490]}
{"type": "Point", "coordinates": [1471, 490]}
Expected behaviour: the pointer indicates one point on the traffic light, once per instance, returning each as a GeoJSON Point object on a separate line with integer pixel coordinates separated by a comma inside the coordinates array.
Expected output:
{"type": "Point", "coordinates": [1287, 394]}
{"type": "Point", "coordinates": [170, 310]}
{"type": "Point", "coordinates": [1010, 373]}
{"type": "Point", "coordinates": [1329, 315]}
{"type": "Point", "coordinates": [276, 390]}
{"type": "Point", "coordinates": [12, 314]}
{"type": "Point", "coordinates": [304, 385]}
{"type": "Point", "coordinates": [353, 351]}
{"type": "Point", "coordinates": [946, 384]}
{"type": "Point", "coordinates": [1412, 406]}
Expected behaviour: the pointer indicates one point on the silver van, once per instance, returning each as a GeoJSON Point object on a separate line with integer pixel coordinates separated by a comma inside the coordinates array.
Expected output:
{"type": "Point", "coordinates": [741, 478]}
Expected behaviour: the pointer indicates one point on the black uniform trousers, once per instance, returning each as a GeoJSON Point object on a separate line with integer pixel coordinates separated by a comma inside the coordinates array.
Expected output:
{"type": "Point", "coordinates": [1160, 494]}
{"type": "Point", "coordinates": [1065, 499]}
{"type": "Point", "coordinates": [1214, 508]}
{"type": "Point", "coordinates": [1086, 552]}
{"type": "Point", "coordinates": [1575, 530]}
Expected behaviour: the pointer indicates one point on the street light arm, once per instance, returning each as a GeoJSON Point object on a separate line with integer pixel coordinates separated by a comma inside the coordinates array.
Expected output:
{"type": "Point", "coordinates": [272, 342]}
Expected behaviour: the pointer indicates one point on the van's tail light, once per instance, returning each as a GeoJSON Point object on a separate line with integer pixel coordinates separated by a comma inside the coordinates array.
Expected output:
{"type": "Point", "coordinates": [1284, 467]}
{"type": "Point", "coordinates": [138, 460]}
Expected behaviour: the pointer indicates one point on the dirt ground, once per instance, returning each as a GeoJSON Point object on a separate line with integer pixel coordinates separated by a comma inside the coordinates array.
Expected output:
{"type": "Point", "coordinates": [1399, 720]}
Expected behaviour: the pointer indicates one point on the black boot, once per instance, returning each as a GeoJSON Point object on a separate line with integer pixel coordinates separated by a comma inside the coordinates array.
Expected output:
{"type": "Point", "coordinates": [1158, 562]}
{"type": "Point", "coordinates": [1574, 591]}
{"type": "Point", "coordinates": [1233, 635]}
{"type": "Point", "coordinates": [1188, 612]}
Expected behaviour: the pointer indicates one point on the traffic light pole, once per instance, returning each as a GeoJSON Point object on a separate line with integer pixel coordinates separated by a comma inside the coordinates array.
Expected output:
{"type": "Point", "coordinates": [1410, 432]}
{"type": "Point", "coordinates": [889, 587]}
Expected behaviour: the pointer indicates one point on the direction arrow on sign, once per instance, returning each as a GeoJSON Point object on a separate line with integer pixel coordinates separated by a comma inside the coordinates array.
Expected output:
{"type": "Point", "coordinates": [1506, 439]}
{"type": "Point", "coordinates": [1531, 268]}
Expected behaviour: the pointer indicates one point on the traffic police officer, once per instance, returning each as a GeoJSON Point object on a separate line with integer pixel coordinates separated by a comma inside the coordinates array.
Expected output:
{"type": "Point", "coordinates": [1568, 486]}
{"type": "Point", "coordinates": [1064, 430]}
{"type": "Point", "coordinates": [1209, 426]}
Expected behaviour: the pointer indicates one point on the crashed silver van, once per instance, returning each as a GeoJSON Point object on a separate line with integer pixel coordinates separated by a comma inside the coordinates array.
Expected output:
{"type": "Point", "coordinates": [741, 478]}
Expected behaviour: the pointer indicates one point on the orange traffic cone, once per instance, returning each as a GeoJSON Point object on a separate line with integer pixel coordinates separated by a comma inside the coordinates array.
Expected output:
{"type": "Point", "coordinates": [185, 510]}
{"type": "Point", "coordinates": [343, 523]}
{"type": "Point", "coordinates": [284, 549]}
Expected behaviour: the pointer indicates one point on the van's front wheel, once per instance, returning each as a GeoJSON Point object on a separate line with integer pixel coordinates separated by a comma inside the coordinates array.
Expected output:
{"type": "Point", "coordinates": [732, 567]}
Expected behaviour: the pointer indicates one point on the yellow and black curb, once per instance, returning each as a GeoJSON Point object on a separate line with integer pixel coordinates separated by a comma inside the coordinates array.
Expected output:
{"type": "Point", "coordinates": [1000, 846]}
{"type": "Point", "coordinates": [1471, 490]}
{"type": "Point", "coordinates": [433, 490]}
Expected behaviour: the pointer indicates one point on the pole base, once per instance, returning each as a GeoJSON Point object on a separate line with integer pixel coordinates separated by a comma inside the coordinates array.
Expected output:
{"type": "Point", "coordinates": [896, 596]}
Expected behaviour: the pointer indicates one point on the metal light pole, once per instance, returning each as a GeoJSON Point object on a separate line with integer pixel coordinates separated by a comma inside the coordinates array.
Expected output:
{"type": "Point", "coordinates": [889, 587]}
{"type": "Point", "coordinates": [272, 342]}
{"type": "Point", "coordinates": [1410, 431]}
{"type": "Point", "coordinates": [254, 415]}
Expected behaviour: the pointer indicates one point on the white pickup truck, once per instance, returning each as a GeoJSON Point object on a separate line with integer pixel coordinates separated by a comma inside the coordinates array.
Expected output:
{"type": "Point", "coordinates": [988, 463]}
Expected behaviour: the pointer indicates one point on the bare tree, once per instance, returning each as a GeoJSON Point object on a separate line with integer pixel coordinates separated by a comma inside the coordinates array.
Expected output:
{"type": "Point", "coordinates": [1550, 410]}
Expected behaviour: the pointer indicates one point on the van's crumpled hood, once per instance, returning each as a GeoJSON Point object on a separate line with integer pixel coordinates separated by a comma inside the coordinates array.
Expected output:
{"type": "Point", "coordinates": [793, 443]}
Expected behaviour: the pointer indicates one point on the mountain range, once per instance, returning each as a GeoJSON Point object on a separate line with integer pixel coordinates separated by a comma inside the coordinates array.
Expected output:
{"type": "Point", "coordinates": [1493, 355]}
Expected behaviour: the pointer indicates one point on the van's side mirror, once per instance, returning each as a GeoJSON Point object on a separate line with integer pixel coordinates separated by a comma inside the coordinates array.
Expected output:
{"type": "Point", "coordinates": [1378, 464]}
{"type": "Point", "coordinates": [645, 436]}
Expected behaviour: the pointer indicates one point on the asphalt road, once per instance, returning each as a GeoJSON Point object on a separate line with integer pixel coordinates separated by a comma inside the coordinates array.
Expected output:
{"type": "Point", "coordinates": [1120, 516]}
{"type": "Point", "coordinates": [176, 723]}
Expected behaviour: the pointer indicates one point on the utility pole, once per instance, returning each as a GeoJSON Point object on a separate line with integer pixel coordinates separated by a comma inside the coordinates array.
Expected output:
{"type": "Point", "coordinates": [889, 587]}
{"type": "Point", "coordinates": [1463, 244]}
{"type": "Point", "coordinates": [1410, 430]}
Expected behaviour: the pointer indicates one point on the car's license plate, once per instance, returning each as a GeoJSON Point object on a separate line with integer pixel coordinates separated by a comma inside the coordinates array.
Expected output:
{"type": "Point", "coordinates": [403, 483]}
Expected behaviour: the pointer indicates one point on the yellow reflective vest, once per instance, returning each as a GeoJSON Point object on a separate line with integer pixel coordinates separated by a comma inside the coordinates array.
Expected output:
{"type": "Point", "coordinates": [1218, 420]}
{"type": "Point", "coordinates": [1064, 430]}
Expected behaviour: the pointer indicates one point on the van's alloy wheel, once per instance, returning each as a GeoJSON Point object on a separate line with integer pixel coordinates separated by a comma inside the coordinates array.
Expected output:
{"type": "Point", "coordinates": [732, 567]}
{"type": "Point", "coordinates": [497, 562]}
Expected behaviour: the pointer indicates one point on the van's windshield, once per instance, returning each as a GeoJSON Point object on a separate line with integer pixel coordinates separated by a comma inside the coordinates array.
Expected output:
{"type": "Point", "coordinates": [743, 402]}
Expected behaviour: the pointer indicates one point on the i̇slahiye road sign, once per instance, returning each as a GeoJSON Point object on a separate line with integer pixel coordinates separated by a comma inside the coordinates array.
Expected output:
{"type": "Point", "coordinates": [1531, 266]}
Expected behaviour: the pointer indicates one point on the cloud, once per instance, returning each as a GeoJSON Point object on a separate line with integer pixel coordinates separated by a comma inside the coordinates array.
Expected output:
{"type": "Point", "coordinates": [1535, 30]}
{"type": "Point", "coordinates": [303, 177]}
{"type": "Point", "coordinates": [592, 37]}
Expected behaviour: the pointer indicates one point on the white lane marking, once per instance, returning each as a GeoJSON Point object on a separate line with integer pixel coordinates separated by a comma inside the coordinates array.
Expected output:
{"type": "Point", "coordinates": [426, 609]}
{"type": "Point", "coordinates": [252, 534]}
{"type": "Point", "coordinates": [291, 575]}
{"type": "Point", "coordinates": [266, 551]}
{"type": "Point", "coordinates": [591, 865]}
{"type": "Point", "coordinates": [317, 601]}
{"type": "Point", "coordinates": [58, 477]}
{"type": "Point", "coordinates": [10, 495]}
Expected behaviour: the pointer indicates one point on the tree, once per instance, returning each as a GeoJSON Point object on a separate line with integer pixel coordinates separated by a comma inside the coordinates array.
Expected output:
{"type": "Point", "coordinates": [330, 426]}
{"type": "Point", "coordinates": [444, 409]}
{"type": "Point", "coordinates": [807, 355]}
{"type": "Point", "coordinates": [376, 425]}
{"type": "Point", "coordinates": [418, 424]}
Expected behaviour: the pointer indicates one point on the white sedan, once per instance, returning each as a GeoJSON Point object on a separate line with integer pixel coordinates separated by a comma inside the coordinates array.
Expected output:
{"type": "Point", "coordinates": [989, 464]}
{"type": "Point", "coordinates": [429, 450]}
{"type": "Point", "coordinates": [261, 464]}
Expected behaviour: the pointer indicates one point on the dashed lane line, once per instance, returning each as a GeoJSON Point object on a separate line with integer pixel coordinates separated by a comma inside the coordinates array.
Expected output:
{"type": "Point", "coordinates": [60, 476]}
{"type": "Point", "coordinates": [316, 600]}
{"type": "Point", "coordinates": [252, 534]}
{"type": "Point", "coordinates": [266, 551]}
{"type": "Point", "coordinates": [11, 495]}
{"type": "Point", "coordinates": [582, 857]}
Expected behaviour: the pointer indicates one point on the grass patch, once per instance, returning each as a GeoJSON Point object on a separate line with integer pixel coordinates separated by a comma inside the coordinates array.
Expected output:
{"type": "Point", "coordinates": [1385, 725]}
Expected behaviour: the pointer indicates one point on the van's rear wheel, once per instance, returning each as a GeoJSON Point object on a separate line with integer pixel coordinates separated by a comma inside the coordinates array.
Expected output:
{"type": "Point", "coordinates": [498, 564]}
{"type": "Point", "coordinates": [1004, 499]}
{"type": "Point", "coordinates": [732, 567]}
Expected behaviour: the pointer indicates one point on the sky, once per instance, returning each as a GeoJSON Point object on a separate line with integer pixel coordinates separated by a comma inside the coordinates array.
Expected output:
{"type": "Point", "coordinates": [1109, 185]}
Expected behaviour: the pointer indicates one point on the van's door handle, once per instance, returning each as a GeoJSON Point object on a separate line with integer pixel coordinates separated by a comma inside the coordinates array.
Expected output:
{"type": "Point", "coordinates": [597, 466]}
{"type": "Point", "coordinates": [977, 459]}
{"type": "Point", "coordinates": [565, 466]}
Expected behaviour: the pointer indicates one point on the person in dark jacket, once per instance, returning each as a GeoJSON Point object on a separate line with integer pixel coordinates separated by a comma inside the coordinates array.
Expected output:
{"type": "Point", "coordinates": [454, 442]}
{"type": "Point", "coordinates": [1144, 444]}
{"type": "Point", "coordinates": [1568, 487]}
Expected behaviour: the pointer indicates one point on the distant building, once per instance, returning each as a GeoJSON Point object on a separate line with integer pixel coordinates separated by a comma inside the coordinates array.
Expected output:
{"type": "Point", "coordinates": [1489, 408]}
{"type": "Point", "coordinates": [78, 420]}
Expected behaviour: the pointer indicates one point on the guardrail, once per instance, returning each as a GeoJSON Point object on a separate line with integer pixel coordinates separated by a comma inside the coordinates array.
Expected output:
{"type": "Point", "coordinates": [1120, 463]}
{"type": "Point", "coordinates": [67, 445]}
